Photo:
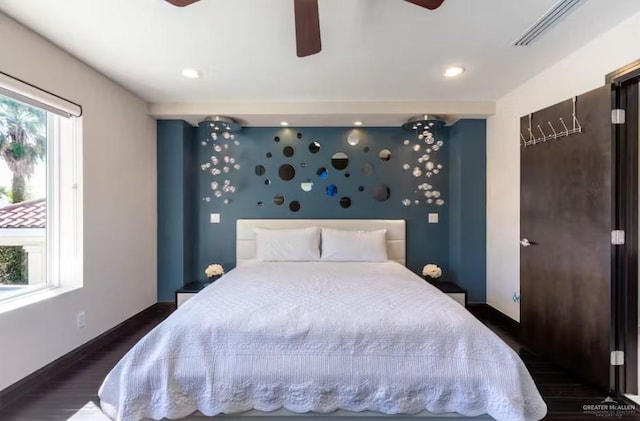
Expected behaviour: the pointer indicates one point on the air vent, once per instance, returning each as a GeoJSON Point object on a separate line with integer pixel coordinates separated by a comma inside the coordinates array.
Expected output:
{"type": "Point", "coordinates": [552, 17]}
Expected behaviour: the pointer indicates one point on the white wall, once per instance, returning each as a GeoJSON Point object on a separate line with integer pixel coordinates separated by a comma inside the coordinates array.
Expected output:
{"type": "Point", "coordinates": [580, 72]}
{"type": "Point", "coordinates": [119, 175]}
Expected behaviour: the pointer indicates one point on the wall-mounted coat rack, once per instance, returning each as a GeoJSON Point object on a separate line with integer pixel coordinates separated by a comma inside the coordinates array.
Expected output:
{"type": "Point", "coordinates": [533, 140]}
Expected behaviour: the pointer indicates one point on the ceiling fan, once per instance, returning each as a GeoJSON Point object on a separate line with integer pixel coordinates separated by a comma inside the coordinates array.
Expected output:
{"type": "Point", "coordinates": [308, 22]}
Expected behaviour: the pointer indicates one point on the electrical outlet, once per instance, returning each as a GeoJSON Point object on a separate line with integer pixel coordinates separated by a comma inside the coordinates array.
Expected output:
{"type": "Point", "coordinates": [81, 320]}
{"type": "Point", "coordinates": [214, 218]}
{"type": "Point", "coordinates": [433, 218]}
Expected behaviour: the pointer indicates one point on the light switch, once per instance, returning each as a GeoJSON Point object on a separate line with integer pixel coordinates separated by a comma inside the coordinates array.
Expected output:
{"type": "Point", "coordinates": [433, 218]}
{"type": "Point", "coordinates": [214, 218]}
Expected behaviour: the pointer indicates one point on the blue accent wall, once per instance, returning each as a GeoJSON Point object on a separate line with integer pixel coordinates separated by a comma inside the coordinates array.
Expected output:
{"type": "Point", "coordinates": [425, 242]}
{"type": "Point", "coordinates": [176, 205]}
{"type": "Point", "coordinates": [188, 242]}
{"type": "Point", "coordinates": [467, 207]}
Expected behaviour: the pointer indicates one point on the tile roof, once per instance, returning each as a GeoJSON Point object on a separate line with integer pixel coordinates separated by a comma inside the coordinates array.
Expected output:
{"type": "Point", "coordinates": [28, 214]}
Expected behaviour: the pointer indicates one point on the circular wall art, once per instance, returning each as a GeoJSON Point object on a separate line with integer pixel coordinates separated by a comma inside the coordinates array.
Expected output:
{"type": "Point", "coordinates": [360, 188]}
{"type": "Point", "coordinates": [314, 147]}
{"type": "Point", "coordinates": [286, 172]}
{"type": "Point", "coordinates": [381, 192]}
{"type": "Point", "coordinates": [260, 170]}
{"type": "Point", "coordinates": [288, 151]}
{"type": "Point", "coordinates": [269, 155]}
{"type": "Point", "coordinates": [299, 135]}
{"type": "Point", "coordinates": [331, 190]}
{"type": "Point", "coordinates": [278, 199]}
{"type": "Point", "coordinates": [307, 185]}
{"type": "Point", "coordinates": [323, 173]}
{"type": "Point", "coordinates": [277, 139]}
{"type": "Point", "coordinates": [353, 139]}
{"type": "Point", "coordinates": [340, 160]}
{"type": "Point", "coordinates": [294, 206]}
{"type": "Point", "coordinates": [345, 202]}
{"type": "Point", "coordinates": [384, 155]}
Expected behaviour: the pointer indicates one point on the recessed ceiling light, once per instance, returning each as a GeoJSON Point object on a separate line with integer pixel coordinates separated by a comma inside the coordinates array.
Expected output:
{"type": "Point", "coordinates": [357, 123]}
{"type": "Point", "coordinates": [191, 73]}
{"type": "Point", "coordinates": [453, 71]}
{"type": "Point", "coordinates": [284, 123]}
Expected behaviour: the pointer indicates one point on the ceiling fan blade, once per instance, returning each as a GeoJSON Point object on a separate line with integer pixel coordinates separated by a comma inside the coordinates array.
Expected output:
{"type": "Point", "coordinates": [181, 3]}
{"type": "Point", "coordinates": [428, 4]}
{"type": "Point", "coordinates": [307, 27]}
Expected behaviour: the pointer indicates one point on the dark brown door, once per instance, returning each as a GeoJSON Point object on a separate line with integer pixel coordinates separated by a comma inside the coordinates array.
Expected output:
{"type": "Point", "coordinates": [566, 215]}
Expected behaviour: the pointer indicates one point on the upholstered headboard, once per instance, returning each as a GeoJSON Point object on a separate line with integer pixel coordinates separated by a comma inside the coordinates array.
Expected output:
{"type": "Point", "coordinates": [246, 237]}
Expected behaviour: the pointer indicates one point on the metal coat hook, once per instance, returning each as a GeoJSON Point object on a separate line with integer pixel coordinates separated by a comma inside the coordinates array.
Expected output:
{"type": "Point", "coordinates": [531, 136]}
{"type": "Point", "coordinates": [554, 135]}
{"type": "Point", "coordinates": [544, 137]}
{"type": "Point", "coordinates": [576, 128]}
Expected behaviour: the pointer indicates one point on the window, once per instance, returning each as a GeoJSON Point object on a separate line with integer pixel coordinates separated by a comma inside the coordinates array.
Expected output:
{"type": "Point", "coordinates": [40, 195]}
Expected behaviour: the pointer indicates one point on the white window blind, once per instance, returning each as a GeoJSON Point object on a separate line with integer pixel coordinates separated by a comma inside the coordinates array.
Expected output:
{"type": "Point", "coordinates": [32, 95]}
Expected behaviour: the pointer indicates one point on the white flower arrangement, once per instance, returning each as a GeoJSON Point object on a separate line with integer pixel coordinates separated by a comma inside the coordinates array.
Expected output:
{"type": "Point", "coordinates": [432, 271]}
{"type": "Point", "coordinates": [214, 270]}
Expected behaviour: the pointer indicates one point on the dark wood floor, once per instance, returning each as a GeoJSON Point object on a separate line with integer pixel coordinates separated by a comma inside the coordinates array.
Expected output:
{"type": "Point", "coordinates": [73, 395]}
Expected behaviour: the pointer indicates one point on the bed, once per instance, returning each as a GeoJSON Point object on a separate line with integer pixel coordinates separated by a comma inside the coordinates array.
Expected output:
{"type": "Point", "coordinates": [320, 338]}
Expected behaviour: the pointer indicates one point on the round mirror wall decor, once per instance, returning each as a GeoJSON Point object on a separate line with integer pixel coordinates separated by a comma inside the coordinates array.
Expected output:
{"type": "Point", "coordinates": [260, 204]}
{"type": "Point", "coordinates": [331, 190]}
{"type": "Point", "coordinates": [278, 199]}
{"type": "Point", "coordinates": [286, 172]}
{"type": "Point", "coordinates": [381, 192]}
{"type": "Point", "coordinates": [361, 188]}
{"type": "Point", "coordinates": [322, 173]}
{"type": "Point", "coordinates": [269, 155]}
{"type": "Point", "coordinates": [345, 202]}
{"type": "Point", "coordinates": [294, 206]}
{"type": "Point", "coordinates": [303, 165]}
{"type": "Point", "coordinates": [267, 182]}
{"type": "Point", "coordinates": [314, 147]}
{"type": "Point", "coordinates": [307, 185]}
{"type": "Point", "coordinates": [299, 135]}
{"type": "Point", "coordinates": [340, 160]}
{"type": "Point", "coordinates": [277, 139]}
{"type": "Point", "coordinates": [288, 151]}
{"type": "Point", "coordinates": [384, 155]}
{"type": "Point", "coordinates": [353, 139]}
{"type": "Point", "coordinates": [260, 170]}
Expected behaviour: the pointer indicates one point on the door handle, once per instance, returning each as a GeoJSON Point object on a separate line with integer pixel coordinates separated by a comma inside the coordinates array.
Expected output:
{"type": "Point", "coordinates": [525, 242]}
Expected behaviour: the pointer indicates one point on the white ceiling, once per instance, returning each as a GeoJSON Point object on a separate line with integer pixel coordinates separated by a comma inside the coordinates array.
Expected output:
{"type": "Point", "coordinates": [384, 52]}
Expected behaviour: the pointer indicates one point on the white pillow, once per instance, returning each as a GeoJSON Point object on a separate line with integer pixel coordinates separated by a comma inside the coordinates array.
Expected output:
{"type": "Point", "coordinates": [288, 245]}
{"type": "Point", "coordinates": [354, 246]}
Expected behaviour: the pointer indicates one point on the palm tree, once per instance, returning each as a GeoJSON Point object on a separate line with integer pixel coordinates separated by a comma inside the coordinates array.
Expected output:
{"type": "Point", "coordinates": [22, 145]}
{"type": "Point", "coordinates": [22, 142]}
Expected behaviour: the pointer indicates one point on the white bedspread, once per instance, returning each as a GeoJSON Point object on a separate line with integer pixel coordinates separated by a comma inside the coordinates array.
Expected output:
{"type": "Point", "coordinates": [320, 337]}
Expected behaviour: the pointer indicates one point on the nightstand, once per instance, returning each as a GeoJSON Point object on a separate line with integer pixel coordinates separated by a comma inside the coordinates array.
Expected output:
{"type": "Point", "coordinates": [189, 291]}
{"type": "Point", "coordinates": [452, 290]}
